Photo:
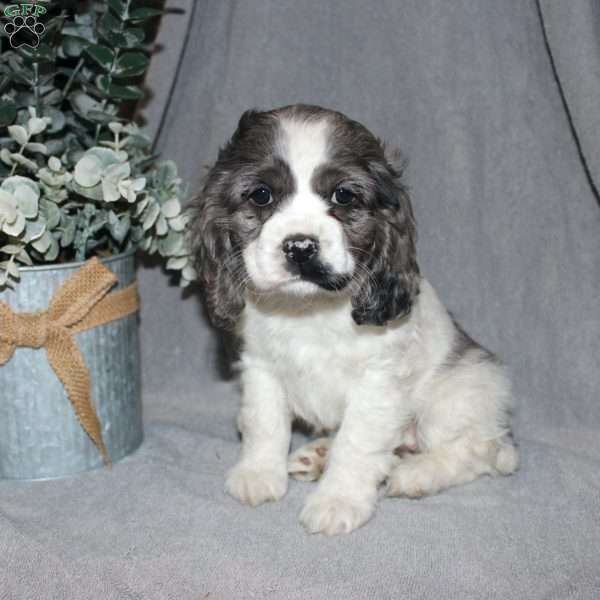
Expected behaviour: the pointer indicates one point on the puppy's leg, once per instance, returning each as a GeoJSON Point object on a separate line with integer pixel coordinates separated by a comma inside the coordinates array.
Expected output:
{"type": "Point", "coordinates": [265, 424]}
{"type": "Point", "coordinates": [463, 431]}
{"type": "Point", "coordinates": [360, 457]}
{"type": "Point", "coordinates": [451, 464]}
{"type": "Point", "coordinates": [308, 462]}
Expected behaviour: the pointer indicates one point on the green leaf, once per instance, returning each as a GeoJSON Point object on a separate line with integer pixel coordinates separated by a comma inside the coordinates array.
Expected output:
{"type": "Point", "coordinates": [83, 103]}
{"type": "Point", "coordinates": [84, 18]}
{"type": "Point", "coordinates": [178, 223]}
{"type": "Point", "coordinates": [91, 167]}
{"type": "Point", "coordinates": [120, 8]}
{"type": "Point", "coordinates": [161, 226]}
{"type": "Point", "coordinates": [5, 155]}
{"type": "Point", "coordinates": [35, 147]}
{"type": "Point", "coordinates": [81, 31]}
{"type": "Point", "coordinates": [43, 53]}
{"type": "Point", "coordinates": [88, 172]}
{"type": "Point", "coordinates": [123, 92]}
{"type": "Point", "coordinates": [166, 173]}
{"type": "Point", "coordinates": [21, 187]}
{"type": "Point", "coordinates": [131, 64]}
{"type": "Point", "coordinates": [73, 45]}
{"type": "Point", "coordinates": [16, 63]}
{"type": "Point", "coordinates": [54, 24]}
{"type": "Point", "coordinates": [107, 157]}
{"type": "Point", "coordinates": [150, 216]}
{"type": "Point", "coordinates": [51, 213]}
{"type": "Point", "coordinates": [4, 81]}
{"type": "Point", "coordinates": [109, 29]}
{"type": "Point", "coordinates": [22, 78]}
{"type": "Point", "coordinates": [100, 117]}
{"type": "Point", "coordinates": [43, 242]}
{"type": "Point", "coordinates": [55, 147]}
{"type": "Point", "coordinates": [133, 37]}
{"type": "Point", "coordinates": [18, 133]}
{"type": "Point", "coordinates": [58, 120]}
{"type": "Point", "coordinates": [24, 258]}
{"type": "Point", "coordinates": [8, 111]}
{"type": "Point", "coordinates": [141, 14]}
{"type": "Point", "coordinates": [189, 273]}
{"type": "Point", "coordinates": [94, 193]}
{"type": "Point", "coordinates": [119, 227]}
{"type": "Point", "coordinates": [4, 281]}
{"type": "Point", "coordinates": [34, 229]}
{"type": "Point", "coordinates": [68, 233]}
{"type": "Point", "coordinates": [24, 161]}
{"type": "Point", "coordinates": [177, 263]}
{"type": "Point", "coordinates": [171, 208]}
{"type": "Point", "coordinates": [101, 55]}
{"type": "Point", "coordinates": [36, 125]}
{"type": "Point", "coordinates": [10, 249]}
{"type": "Point", "coordinates": [27, 203]}
{"type": "Point", "coordinates": [54, 164]}
{"type": "Point", "coordinates": [52, 252]}
{"type": "Point", "coordinates": [12, 269]}
{"type": "Point", "coordinates": [54, 97]}
{"type": "Point", "coordinates": [138, 141]}
{"type": "Point", "coordinates": [136, 233]}
{"type": "Point", "coordinates": [171, 244]}
{"type": "Point", "coordinates": [109, 23]}
{"type": "Point", "coordinates": [15, 228]}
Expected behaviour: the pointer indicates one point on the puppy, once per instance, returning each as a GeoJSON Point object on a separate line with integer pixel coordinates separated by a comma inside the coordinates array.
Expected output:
{"type": "Point", "coordinates": [304, 238]}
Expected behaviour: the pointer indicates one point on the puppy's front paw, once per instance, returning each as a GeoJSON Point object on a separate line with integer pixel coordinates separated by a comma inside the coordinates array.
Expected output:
{"type": "Point", "coordinates": [255, 484]}
{"type": "Point", "coordinates": [331, 514]}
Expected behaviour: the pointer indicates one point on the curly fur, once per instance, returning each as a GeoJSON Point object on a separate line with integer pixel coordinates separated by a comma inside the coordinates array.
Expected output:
{"type": "Point", "coordinates": [350, 338]}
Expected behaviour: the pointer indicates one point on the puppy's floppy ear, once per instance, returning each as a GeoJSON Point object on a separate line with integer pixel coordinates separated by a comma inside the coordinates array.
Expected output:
{"type": "Point", "coordinates": [390, 277]}
{"type": "Point", "coordinates": [217, 254]}
{"type": "Point", "coordinates": [215, 240]}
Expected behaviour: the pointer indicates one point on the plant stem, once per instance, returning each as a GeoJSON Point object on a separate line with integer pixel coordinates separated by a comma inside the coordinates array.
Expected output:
{"type": "Point", "coordinates": [14, 168]}
{"type": "Point", "coordinates": [105, 100]}
{"type": "Point", "coordinates": [72, 77]}
{"type": "Point", "coordinates": [109, 76]}
{"type": "Point", "coordinates": [36, 89]}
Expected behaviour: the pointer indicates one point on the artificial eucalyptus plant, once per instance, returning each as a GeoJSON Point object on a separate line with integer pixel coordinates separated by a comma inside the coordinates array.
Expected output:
{"type": "Point", "coordinates": [77, 176]}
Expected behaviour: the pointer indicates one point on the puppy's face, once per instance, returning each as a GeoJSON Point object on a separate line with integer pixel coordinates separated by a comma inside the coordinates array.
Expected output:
{"type": "Point", "coordinates": [302, 201]}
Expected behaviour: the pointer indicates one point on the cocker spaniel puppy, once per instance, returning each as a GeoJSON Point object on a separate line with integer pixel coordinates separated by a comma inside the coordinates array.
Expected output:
{"type": "Point", "coordinates": [305, 244]}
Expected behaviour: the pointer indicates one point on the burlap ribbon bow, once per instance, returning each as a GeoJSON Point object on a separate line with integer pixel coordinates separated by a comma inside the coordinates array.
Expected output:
{"type": "Point", "coordinates": [81, 303]}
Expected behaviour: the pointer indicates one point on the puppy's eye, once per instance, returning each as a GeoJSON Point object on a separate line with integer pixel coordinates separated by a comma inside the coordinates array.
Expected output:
{"type": "Point", "coordinates": [261, 196]}
{"type": "Point", "coordinates": [343, 196]}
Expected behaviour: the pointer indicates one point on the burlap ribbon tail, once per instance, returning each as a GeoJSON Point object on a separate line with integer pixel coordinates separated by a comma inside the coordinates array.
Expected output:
{"type": "Point", "coordinates": [81, 303]}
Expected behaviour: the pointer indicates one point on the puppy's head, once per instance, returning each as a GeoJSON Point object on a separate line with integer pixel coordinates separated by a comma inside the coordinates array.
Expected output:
{"type": "Point", "coordinates": [304, 201]}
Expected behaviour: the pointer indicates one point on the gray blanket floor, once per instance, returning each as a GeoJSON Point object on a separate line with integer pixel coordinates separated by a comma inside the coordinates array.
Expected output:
{"type": "Point", "coordinates": [509, 235]}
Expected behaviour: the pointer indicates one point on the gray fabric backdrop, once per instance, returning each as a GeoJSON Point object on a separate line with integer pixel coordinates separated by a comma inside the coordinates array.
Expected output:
{"type": "Point", "coordinates": [509, 235]}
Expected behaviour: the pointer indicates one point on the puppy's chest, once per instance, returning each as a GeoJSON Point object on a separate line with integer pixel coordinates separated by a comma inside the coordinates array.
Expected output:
{"type": "Point", "coordinates": [315, 378]}
{"type": "Point", "coordinates": [316, 359]}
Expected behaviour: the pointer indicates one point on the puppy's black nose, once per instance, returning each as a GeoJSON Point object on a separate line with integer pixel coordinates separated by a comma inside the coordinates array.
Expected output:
{"type": "Point", "coordinates": [300, 248]}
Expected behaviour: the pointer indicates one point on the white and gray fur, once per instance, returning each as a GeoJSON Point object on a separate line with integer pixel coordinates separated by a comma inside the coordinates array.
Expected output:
{"type": "Point", "coordinates": [355, 341]}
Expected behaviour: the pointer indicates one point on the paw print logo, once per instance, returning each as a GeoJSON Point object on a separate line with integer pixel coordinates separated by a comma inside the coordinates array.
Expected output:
{"type": "Point", "coordinates": [24, 32]}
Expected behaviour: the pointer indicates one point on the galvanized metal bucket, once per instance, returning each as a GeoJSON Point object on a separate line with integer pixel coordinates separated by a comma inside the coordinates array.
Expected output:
{"type": "Point", "coordinates": [40, 436]}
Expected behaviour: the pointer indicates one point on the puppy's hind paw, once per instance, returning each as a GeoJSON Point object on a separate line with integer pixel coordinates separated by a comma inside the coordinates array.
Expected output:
{"type": "Point", "coordinates": [308, 462]}
{"type": "Point", "coordinates": [254, 485]}
{"type": "Point", "coordinates": [414, 477]}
